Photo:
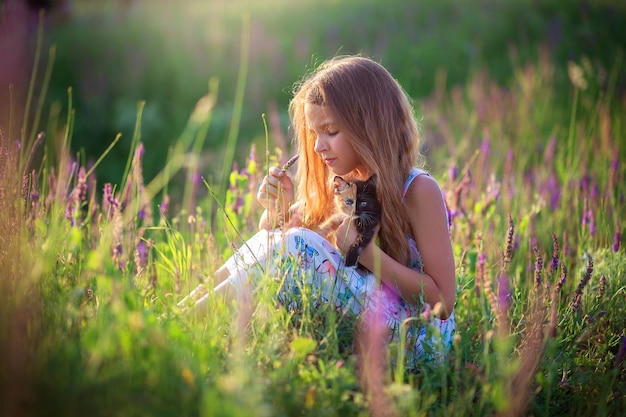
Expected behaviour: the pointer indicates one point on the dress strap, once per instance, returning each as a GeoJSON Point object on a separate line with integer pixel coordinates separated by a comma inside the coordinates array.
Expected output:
{"type": "Point", "coordinates": [415, 172]}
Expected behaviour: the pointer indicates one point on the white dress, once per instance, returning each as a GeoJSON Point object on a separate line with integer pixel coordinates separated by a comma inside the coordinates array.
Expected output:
{"type": "Point", "coordinates": [319, 265]}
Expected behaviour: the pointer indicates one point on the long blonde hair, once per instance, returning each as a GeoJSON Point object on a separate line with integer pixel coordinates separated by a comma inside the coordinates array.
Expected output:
{"type": "Point", "coordinates": [373, 108]}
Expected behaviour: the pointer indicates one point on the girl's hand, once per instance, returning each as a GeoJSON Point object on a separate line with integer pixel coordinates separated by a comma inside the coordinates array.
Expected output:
{"type": "Point", "coordinates": [275, 193]}
{"type": "Point", "coordinates": [347, 235]}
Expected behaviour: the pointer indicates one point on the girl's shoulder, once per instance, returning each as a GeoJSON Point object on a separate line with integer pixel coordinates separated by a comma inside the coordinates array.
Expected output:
{"type": "Point", "coordinates": [422, 193]}
{"type": "Point", "coordinates": [415, 173]}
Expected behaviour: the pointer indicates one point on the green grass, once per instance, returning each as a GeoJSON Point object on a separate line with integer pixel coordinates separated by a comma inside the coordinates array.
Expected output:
{"type": "Point", "coordinates": [89, 279]}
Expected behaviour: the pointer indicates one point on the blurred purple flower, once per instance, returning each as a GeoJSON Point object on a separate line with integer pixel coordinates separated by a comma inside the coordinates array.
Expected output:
{"type": "Point", "coordinates": [615, 163]}
{"type": "Point", "coordinates": [197, 178]}
{"type": "Point", "coordinates": [554, 264]}
{"type": "Point", "coordinates": [509, 245]}
{"type": "Point", "coordinates": [141, 254]}
{"type": "Point", "coordinates": [79, 194]}
{"type": "Point", "coordinates": [617, 240]}
{"type": "Point", "coordinates": [592, 222]}
{"type": "Point", "coordinates": [453, 172]}
{"type": "Point", "coordinates": [504, 293]}
{"type": "Point", "coordinates": [602, 287]}
{"type": "Point", "coordinates": [238, 205]}
{"type": "Point", "coordinates": [485, 147]}
{"type": "Point", "coordinates": [554, 191]}
{"type": "Point", "coordinates": [164, 206]}
{"type": "Point", "coordinates": [69, 213]}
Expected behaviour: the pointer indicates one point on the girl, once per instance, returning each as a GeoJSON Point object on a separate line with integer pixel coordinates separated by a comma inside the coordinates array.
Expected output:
{"type": "Point", "coordinates": [351, 118]}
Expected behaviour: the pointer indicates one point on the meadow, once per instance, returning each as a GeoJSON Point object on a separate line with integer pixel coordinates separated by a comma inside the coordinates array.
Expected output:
{"type": "Point", "coordinates": [92, 271]}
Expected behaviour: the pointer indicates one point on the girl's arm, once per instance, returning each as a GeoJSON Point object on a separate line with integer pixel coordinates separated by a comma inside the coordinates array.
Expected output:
{"type": "Point", "coordinates": [427, 217]}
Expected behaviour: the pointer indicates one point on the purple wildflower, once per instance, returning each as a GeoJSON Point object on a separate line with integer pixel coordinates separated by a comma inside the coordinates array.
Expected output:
{"type": "Point", "coordinates": [592, 222]}
{"type": "Point", "coordinates": [25, 186]}
{"type": "Point", "coordinates": [165, 204]}
{"type": "Point", "coordinates": [504, 294]}
{"type": "Point", "coordinates": [142, 250]}
{"type": "Point", "coordinates": [69, 213]}
{"type": "Point", "coordinates": [562, 279]}
{"type": "Point", "coordinates": [602, 287]}
{"type": "Point", "coordinates": [581, 285]}
{"type": "Point", "coordinates": [554, 191]}
{"type": "Point", "coordinates": [107, 193]}
{"type": "Point", "coordinates": [197, 178]}
{"type": "Point", "coordinates": [554, 264]}
{"type": "Point", "coordinates": [80, 190]}
{"type": "Point", "coordinates": [617, 240]}
{"type": "Point", "coordinates": [453, 172]}
{"type": "Point", "coordinates": [615, 163]}
{"type": "Point", "coordinates": [508, 248]}
{"type": "Point", "coordinates": [238, 205]}
{"type": "Point", "coordinates": [485, 147]}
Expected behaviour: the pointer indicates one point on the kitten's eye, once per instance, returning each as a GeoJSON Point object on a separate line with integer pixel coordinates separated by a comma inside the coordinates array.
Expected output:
{"type": "Point", "coordinates": [348, 202]}
{"type": "Point", "coordinates": [363, 203]}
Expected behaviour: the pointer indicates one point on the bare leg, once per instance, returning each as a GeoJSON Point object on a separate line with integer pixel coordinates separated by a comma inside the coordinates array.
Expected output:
{"type": "Point", "coordinates": [223, 289]}
{"type": "Point", "coordinates": [197, 299]}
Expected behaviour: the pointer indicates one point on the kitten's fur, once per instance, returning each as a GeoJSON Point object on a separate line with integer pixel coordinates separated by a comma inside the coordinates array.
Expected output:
{"type": "Point", "coordinates": [357, 200]}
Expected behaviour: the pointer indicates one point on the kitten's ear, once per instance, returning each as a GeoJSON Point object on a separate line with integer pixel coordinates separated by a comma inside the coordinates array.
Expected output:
{"type": "Point", "coordinates": [340, 184]}
{"type": "Point", "coordinates": [373, 178]}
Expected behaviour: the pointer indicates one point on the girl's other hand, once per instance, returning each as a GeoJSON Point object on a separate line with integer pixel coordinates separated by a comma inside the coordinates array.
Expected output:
{"type": "Point", "coordinates": [347, 235]}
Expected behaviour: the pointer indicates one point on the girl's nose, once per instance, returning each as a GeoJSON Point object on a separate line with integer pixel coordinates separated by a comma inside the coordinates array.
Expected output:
{"type": "Point", "coordinates": [320, 145]}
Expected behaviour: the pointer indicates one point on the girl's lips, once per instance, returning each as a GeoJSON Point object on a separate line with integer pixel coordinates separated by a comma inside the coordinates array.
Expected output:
{"type": "Point", "coordinates": [329, 161]}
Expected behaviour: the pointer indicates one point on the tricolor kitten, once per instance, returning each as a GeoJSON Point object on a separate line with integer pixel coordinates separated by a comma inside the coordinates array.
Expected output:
{"type": "Point", "coordinates": [357, 200]}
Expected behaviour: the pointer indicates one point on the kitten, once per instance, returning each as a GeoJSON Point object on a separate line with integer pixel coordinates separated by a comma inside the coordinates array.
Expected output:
{"type": "Point", "coordinates": [357, 200]}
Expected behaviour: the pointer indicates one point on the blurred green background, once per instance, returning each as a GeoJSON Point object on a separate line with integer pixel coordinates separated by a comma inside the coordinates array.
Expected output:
{"type": "Point", "coordinates": [114, 54]}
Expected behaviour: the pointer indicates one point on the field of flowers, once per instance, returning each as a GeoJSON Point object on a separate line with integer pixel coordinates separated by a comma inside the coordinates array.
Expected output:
{"type": "Point", "coordinates": [91, 273]}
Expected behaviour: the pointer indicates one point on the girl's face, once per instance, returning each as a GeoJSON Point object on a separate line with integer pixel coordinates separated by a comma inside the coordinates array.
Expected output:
{"type": "Point", "coordinates": [332, 143]}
